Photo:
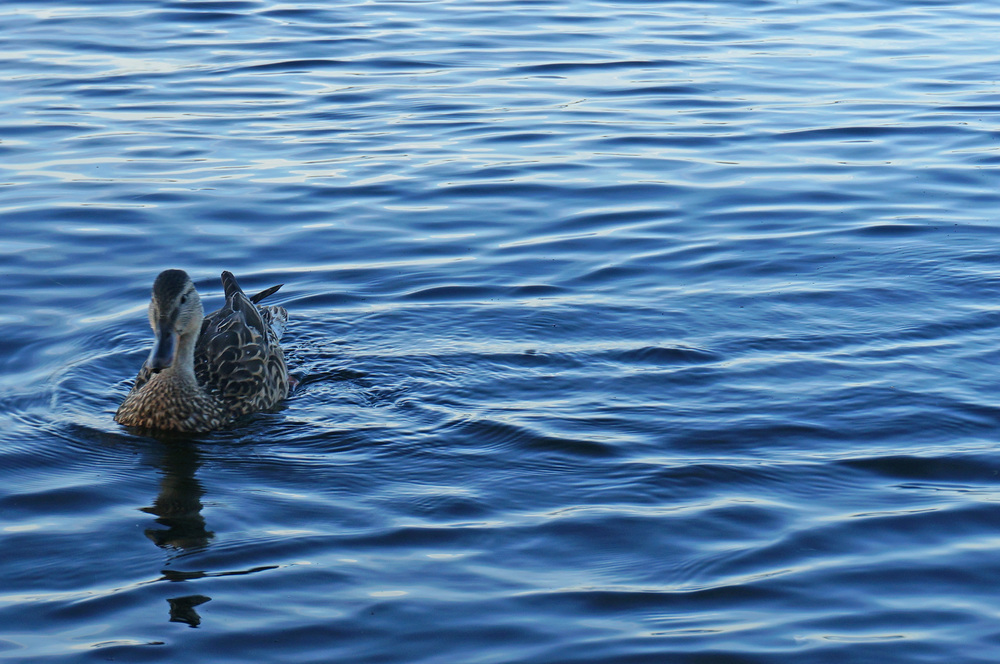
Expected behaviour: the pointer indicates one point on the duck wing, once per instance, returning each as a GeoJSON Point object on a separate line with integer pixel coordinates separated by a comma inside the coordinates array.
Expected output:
{"type": "Point", "coordinates": [237, 355]}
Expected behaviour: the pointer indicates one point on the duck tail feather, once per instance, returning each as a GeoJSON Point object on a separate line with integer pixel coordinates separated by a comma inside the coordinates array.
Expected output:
{"type": "Point", "coordinates": [264, 293]}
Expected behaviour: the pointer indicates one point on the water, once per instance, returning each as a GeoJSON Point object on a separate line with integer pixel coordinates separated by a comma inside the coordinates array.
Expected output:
{"type": "Point", "coordinates": [627, 331]}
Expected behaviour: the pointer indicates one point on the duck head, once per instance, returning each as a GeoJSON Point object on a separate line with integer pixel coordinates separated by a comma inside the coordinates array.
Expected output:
{"type": "Point", "coordinates": [175, 314]}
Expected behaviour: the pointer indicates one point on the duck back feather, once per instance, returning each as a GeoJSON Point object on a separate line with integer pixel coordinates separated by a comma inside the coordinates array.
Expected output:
{"type": "Point", "coordinates": [237, 356]}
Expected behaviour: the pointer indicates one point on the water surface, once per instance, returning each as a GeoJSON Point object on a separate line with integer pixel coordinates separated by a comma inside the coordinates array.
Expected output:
{"type": "Point", "coordinates": [627, 331]}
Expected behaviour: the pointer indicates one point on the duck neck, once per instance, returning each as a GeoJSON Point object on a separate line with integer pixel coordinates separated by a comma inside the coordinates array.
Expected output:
{"type": "Point", "coordinates": [182, 368]}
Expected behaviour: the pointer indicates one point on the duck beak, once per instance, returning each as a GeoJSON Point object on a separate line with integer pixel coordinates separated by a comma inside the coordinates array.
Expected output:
{"type": "Point", "coordinates": [164, 349]}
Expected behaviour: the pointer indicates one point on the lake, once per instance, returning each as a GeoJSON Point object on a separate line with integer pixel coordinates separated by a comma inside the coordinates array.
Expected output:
{"type": "Point", "coordinates": [626, 332]}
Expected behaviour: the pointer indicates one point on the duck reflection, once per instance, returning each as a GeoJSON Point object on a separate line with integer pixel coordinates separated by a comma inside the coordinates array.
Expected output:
{"type": "Point", "coordinates": [182, 609]}
{"type": "Point", "coordinates": [178, 505]}
{"type": "Point", "coordinates": [178, 509]}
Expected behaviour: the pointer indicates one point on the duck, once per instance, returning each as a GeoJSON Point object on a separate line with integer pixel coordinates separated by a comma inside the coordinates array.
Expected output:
{"type": "Point", "coordinates": [205, 372]}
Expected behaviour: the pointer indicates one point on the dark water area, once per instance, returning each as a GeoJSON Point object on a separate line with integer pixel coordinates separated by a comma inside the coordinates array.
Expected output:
{"type": "Point", "coordinates": [626, 331]}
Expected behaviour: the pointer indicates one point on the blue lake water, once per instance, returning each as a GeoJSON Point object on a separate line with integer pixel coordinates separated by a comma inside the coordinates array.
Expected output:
{"type": "Point", "coordinates": [633, 331]}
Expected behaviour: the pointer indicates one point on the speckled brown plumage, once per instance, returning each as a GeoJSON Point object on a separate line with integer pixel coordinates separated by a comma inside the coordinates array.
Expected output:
{"type": "Point", "coordinates": [228, 366]}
